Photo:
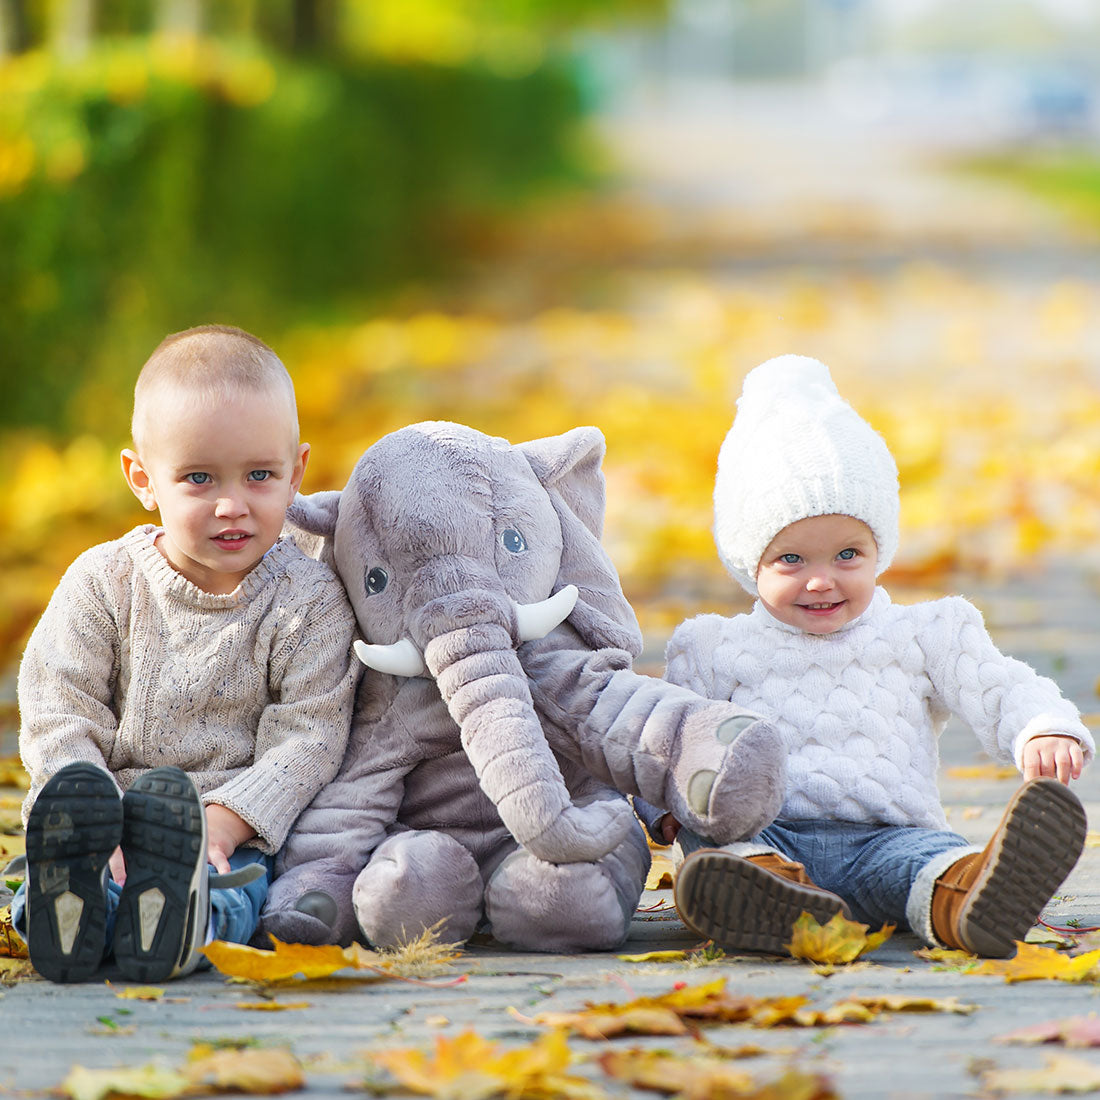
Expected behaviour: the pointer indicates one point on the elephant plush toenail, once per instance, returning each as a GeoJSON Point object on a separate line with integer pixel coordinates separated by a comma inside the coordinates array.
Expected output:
{"type": "Point", "coordinates": [698, 790]}
{"type": "Point", "coordinates": [731, 728]}
{"type": "Point", "coordinates": [318, 904]}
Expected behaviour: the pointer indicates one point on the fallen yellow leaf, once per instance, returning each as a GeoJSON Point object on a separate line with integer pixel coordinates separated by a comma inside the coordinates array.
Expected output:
{"type": "Point", "coordinates": [838, 941]}
{"type": "Point", "coordinates": [655, 956]}
{"type": "Point", "coordinates": [1062, 1073]}
{"type": "Point", "coordinates": [139, 993]}
{"type": "Point", "coordinates": [149, 1081]}
{"type": "Point", "coordinates": [981, 771]}
{"type": "Point", "coordinates": [1032, 963]}
{"type": "Point", "coordinates": [661, 872]}
{"type": "Point", "coordinates": [472, 1068]}
{"type": "Point", "coordinates": [256, 1072]}
{"type": "Point", "coordinates": [11, 943]}
{"type": "Point", "coordinates": [271, 1006]}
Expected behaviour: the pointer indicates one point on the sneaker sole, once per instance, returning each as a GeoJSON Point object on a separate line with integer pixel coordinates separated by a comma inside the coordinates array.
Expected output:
{"type": "Point", "coordinates": [743, 907]}
{"type": "Point", "coordinates": [74, 826]}
{"type": "Point", "coordinates": [1024, 871]}
{"type": "Point", "coordinates": [164, 844]}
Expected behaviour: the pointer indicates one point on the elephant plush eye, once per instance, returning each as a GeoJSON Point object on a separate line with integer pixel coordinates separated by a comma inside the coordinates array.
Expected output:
{"type": "Point", "coordinates": [377, 579]}
{"type": "Point", "coordinates": [513, 541]}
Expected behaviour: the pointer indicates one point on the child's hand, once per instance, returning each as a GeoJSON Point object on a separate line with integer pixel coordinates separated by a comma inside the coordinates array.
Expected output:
{"type": "Point", "coordinates": [668, 827]}
{"type": "Point", "coordinates": [117, 866]}
{"type": "Point", "coordinates": [225, 832]}
{"type": "Point", "coordinates": [1056, 755]}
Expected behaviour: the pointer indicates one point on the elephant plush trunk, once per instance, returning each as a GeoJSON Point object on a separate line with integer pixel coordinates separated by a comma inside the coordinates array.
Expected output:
{"type": "Point", "coordinates": [468, 644]}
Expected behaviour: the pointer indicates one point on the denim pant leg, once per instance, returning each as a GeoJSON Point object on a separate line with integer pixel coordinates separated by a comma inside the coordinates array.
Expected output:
{"type": "Point", "coordinates": [235, 912]}
{"type": "Point", "coordinates": [884, 873]}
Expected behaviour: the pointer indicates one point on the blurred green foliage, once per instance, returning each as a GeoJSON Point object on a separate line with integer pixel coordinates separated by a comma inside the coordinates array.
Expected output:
{"type": "Point", "coordinates": [145, 189]}
{"type": "Point", "coordinates": [1070, 178]}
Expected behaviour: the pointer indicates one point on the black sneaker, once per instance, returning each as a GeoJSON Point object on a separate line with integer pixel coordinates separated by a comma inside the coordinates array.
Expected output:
{"type": "Point", "coordinates": [164, 908]}
{"type": "Point", "coordinates": [742, 906]}
{"type": "Point", "coordinates": [74, 826]}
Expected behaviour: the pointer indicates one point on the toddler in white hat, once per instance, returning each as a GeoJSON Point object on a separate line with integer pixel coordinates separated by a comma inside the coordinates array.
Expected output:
{"type": "Point", "coordinates": [806, 518]}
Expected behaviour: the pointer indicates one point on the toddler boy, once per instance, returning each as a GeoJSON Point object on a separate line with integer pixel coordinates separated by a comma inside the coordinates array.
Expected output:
{"type": "Point", "coordinates": [203, 667]}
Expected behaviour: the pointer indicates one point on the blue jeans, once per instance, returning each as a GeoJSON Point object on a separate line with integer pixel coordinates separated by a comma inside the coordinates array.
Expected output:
{"type": "Point", "coordinates": [874, 868]}
{"type": "Point", "coordinates": [234, 912]}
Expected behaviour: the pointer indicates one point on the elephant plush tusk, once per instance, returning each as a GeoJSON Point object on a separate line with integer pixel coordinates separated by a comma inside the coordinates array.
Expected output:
{"type": "Point", "coordinates": [400, 659]}
{"type": "Point", "coordinates": [536, 620]}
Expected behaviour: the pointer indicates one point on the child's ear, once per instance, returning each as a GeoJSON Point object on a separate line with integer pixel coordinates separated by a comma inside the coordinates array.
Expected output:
{"type": "Point", "coordinates": [137, 477]}
{"type": "Point", "coordinates": [299, 469]}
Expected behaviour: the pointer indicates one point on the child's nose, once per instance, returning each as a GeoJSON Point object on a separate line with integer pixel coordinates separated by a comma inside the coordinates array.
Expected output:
{"type": "Point", "coordinates": [820, 581]}
{"type": "Point", "coordinates": [230, 506]}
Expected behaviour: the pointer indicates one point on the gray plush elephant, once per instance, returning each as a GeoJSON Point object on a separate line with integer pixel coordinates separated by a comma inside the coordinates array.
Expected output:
{"type": "Point", "coordinates": [499, 723]}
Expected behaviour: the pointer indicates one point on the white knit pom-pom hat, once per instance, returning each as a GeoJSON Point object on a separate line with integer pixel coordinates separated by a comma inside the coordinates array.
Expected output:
{"type": "Point", "coordinates": [798, 449]}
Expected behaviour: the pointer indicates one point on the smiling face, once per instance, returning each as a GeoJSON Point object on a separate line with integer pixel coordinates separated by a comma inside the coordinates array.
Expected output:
{"type": "Point", "coordinates": [221, 473]}
{"type": "Point", "coordinates": [818, 574]}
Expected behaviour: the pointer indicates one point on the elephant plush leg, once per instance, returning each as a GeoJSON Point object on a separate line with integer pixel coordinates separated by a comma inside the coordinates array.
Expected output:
{"type": "Point", "coordinates": [567, 907]}
{"type": "Point", "coordinates": [414, 881]}
{"type": "Point", "coordinates": [309, 904]}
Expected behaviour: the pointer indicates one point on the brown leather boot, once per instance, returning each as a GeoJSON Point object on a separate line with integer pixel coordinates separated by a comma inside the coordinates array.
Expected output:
{"type": "Point", "coordinates": [986, 901]}
{"type": "Point", "coordinates": [748, 904]}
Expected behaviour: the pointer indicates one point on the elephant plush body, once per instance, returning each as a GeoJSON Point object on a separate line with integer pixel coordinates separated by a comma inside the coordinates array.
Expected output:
{"type": "Point", "coordinates": [499, 722]}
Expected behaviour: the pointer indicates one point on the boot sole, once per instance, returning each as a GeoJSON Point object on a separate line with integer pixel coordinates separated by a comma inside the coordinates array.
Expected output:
{"type": "Point", "coordinates": [164, 844]}
{"type": "Point", "coordinates": [743, 907]}
{"type": "Point", "coordinates": [74, 826]}
{"type": "Point", "coordinates": [1024, 871]}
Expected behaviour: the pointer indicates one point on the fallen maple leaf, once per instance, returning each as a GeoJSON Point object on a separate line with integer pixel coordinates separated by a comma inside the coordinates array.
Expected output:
{"type": "Point", "coordinates": [256, 1072]}
{"type": "Point", "coordinates": [951, 959]}
{"type": "Point", "coordinates": [472, 1068]}
{"type": "Point", "coordinates": [1077, 1031]}
{"type": "Point", "coordinates": [661, 872]}
{"type": "Point", "coordinates": [838, 941]}
{"type": "Point", "coordinates": [901, 1003]}
{"type": "Point", "coordinates": [11, 943]}
{"type": "Point", "coordinates": [1062, 1073]}
{"type": "Point", "coordinates": [287, 960]}
{"type": "Point", "coordinates": [701, 1077]}
{"type": "Point", "coordinates": [655, 956]}
{"type": "Point", "coordinates": [149, 1081]}
{"type": "Point", "coordinates": [138, 992]}
{"type": "Point", "coordinates": [1032, 963]}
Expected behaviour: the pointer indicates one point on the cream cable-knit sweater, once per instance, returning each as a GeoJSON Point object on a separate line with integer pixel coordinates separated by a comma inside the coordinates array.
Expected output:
{"type": "Point", "coordinates": [861, 709]}
{"type": "Point", "coordinates": [132, 666]}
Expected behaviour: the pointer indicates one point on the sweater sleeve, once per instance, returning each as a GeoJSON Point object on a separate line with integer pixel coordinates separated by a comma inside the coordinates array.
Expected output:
{"type": "Point", "coordinates": [302, 733]}
{"type": "Point", "coordinates": [1005, 701]}
{"type": "Point", "coordinates": [67, 679]}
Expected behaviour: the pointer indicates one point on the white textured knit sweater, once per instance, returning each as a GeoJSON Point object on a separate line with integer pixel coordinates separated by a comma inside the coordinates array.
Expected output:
{"type": "Point", "coordinates": [861, 709]}
{"type": "Point", "coordinates": [132, 666]}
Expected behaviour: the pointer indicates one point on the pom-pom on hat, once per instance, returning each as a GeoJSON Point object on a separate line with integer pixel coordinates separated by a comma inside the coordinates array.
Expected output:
{"type": "Point", "coordinates": [798, 449]}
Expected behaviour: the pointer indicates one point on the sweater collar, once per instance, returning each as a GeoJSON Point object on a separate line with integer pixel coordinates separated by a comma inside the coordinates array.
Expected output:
{"type": "Point", "coordinates": [141, 542]}
{"type": "Point", "coordinates": [879, 601]}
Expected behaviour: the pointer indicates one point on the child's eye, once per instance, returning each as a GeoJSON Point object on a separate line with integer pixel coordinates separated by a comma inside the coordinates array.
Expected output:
{"type": "Point", "coordinates": [197, 478]}
{"type": "Point", "coordinates": [259, 475]}
{"type": "Point", "coordinates": [847, 555]}
{"type": "Point", "coordinates": [790, 559]}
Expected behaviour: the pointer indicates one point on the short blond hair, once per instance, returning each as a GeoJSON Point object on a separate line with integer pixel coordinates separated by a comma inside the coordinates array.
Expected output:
{"type": "Point", "coordinates": [209, 361]}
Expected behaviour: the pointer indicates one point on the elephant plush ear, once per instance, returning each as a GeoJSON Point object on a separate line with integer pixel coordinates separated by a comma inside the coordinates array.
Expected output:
{"type": "Point", "coordinates": [311, 522]}
{"type": "Point", "coordinates": [569, 468]}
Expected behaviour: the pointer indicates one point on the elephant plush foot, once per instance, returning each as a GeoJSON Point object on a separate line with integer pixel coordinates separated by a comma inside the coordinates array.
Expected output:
{"type": "Point", "coordinates": [415, 881]}
{"type": "Point", "coordinates": [311, 907]}
{"type": "Point", "coordinates": [727, 778]}
{"type": "Point", "coordinates": [567, 907]}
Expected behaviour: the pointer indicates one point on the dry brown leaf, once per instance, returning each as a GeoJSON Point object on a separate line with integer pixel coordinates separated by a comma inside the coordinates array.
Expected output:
{"type": "Point", "coordinates": [264, 1072]}
{"type": "Point", "coordinates": [469, 1067]}
{"type": "Point", "coordinates": [1033, 963]}
{"type": "Point", "coordinates": [837, 941]}
{"type": "Point", "coordinates": [702, 1077]}
{"type": "Point", "coordinates": [1062, 1073]}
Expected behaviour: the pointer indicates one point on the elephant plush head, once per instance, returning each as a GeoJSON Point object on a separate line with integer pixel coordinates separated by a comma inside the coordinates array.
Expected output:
{"type": "Point", "coordinates": [456, 547]}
